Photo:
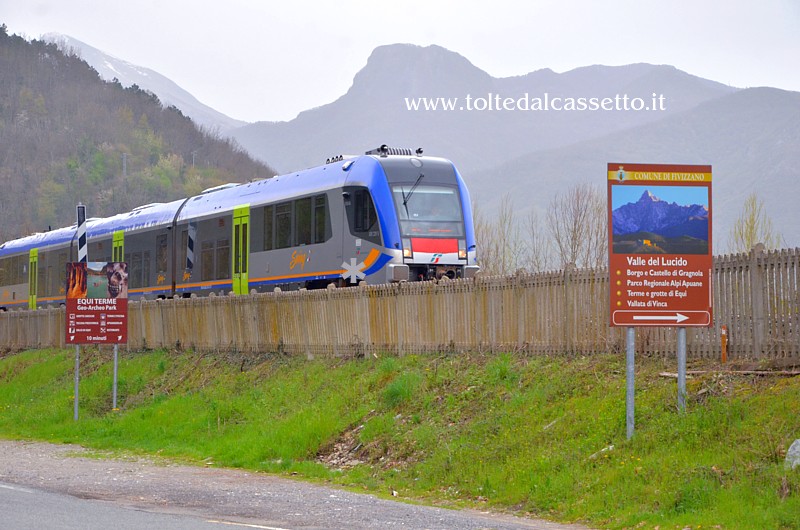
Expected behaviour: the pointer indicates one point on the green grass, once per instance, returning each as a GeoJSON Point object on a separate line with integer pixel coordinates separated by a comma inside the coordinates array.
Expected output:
{"type": "Point", "coordinates": [518, 434]}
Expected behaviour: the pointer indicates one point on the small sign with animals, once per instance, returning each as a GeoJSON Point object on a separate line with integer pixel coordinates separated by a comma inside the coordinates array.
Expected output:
{"type": "Point", "coordinates": [97, 303]}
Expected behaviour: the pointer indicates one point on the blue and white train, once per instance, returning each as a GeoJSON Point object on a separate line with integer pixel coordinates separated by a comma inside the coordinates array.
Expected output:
{"type": "Point", "coordinates": [390, 215]}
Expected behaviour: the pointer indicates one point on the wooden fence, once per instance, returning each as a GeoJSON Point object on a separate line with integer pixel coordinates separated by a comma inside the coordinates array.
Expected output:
{"type": "Point", "coordinates": [755, 295]}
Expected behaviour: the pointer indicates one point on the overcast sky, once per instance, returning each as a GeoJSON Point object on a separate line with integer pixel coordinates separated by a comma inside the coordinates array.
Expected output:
{"type": "Point", "coordinates": [261, 60]}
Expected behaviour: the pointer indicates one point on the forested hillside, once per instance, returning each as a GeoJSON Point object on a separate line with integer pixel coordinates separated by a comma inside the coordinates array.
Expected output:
{"type": "Point", "coordinates": [66, 137]}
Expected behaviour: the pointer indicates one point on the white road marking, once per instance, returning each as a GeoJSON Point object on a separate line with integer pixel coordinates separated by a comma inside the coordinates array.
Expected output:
{"type": "Point", "coordinates": [5, 486]}
{"type": "Point", "coordinates": [246, 525]}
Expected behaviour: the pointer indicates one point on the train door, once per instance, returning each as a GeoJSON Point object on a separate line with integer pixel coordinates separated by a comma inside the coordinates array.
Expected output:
{"type": "Point", "coordinates": [33, 277]}
{"type": "Point", "coordinates": [360, 224]}
{"type": "Point", "coordinates": [118, 246]}
{"type": "Point", "coordinates": [344, 244]}
{"type": "Point", "coordinates": [241, 248]}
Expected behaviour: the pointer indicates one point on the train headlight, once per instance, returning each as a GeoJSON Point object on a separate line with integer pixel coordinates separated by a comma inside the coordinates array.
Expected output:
{"type": "Point", "coordinates": [462, 253]}
{"type": "Point", "coordinates": [407, 253]}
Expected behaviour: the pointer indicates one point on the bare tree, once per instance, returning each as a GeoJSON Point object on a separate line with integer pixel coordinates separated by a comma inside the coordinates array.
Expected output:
{"type": "Point", "coordinates": [578, 226]}
{"type": "Point", "coordinates": [753, 226]}
{"type": "Point", "coordinates": [483, 238]}
{"type": "Point", "coordinates": [537, 257]}
{"type": "Point", "coordinates": [499, 240]}
{"type": "Point", "coordinates": [597, 244]}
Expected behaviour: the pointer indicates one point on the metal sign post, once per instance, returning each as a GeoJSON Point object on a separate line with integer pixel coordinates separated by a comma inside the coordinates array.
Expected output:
{"type": "Point", "coordinates": [77, 381]}
{"type": "Point", "coordinates": [682, 369]}
{"type": "Point", "coordinates": [83, 257]}
{"type": "Point", "coordinates": [114, 392]}
{"type": "Point", "coordinates": [629, 386]}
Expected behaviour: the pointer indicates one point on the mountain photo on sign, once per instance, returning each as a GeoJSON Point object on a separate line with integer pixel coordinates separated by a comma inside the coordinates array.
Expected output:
{"type": "Point", "coordinates": [659, 219]}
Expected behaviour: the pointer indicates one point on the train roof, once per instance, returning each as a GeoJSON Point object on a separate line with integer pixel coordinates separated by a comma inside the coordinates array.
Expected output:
{"type": "Point", "coordinates": [278, 188]}
{"type": "Point", "coordinates": [139, 218]}
{"type": "Point", "coordinates": [24, 244]}
{"type": "Point", "coordinates": [356, 171]}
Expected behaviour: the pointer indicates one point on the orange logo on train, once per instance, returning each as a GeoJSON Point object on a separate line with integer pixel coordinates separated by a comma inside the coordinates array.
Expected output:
{"type": "Point", "coordinates": [298, 258]}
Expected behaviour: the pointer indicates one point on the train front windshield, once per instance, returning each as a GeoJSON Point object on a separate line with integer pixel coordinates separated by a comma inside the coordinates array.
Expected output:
{"type": "Point", "coordinates": [428, 211]}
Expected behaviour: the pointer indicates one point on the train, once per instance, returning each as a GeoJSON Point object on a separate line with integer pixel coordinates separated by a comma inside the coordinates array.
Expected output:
{"type": "Point", "coordinates": [389, 215]}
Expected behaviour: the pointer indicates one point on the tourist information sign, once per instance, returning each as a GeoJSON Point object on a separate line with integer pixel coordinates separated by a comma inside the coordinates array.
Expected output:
{"type": "Point", "coordinates": [659, 245]}
{"type": "Point", "coordinates": [97, 303]}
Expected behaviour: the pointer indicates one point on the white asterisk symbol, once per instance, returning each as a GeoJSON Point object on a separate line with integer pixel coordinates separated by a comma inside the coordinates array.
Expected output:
{"type": "Point", "coordinates": [353, 271]}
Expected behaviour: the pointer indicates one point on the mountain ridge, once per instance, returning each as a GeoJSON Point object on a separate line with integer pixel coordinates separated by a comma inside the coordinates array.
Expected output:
{"type": "Point", "coordinates": [373, 109]}
{"type": "Point", "coordinates": [129, 74]}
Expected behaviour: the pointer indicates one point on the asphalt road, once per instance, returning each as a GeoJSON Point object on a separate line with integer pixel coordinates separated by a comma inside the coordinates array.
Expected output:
{"type": "Point", "coordinates": [35, 509]}
{"type": "Point", "coordinates": [56, 486]}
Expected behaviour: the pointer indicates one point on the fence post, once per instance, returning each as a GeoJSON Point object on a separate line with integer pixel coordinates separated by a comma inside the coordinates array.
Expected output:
{"type": "Point", "coordinates": [757, 298]}
{"type": "Point", "coordinates": [569, 270]}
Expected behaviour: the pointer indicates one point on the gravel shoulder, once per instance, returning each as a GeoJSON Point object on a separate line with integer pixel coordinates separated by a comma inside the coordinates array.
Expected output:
{"type": "Point", "coordinates": [227, 495]}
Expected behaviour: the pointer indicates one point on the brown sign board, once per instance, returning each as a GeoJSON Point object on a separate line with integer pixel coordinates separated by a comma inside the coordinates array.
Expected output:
{"type": "Point", "coordinates": [659, 245]}
{"type": "Point", "coordinates": [97, 303]}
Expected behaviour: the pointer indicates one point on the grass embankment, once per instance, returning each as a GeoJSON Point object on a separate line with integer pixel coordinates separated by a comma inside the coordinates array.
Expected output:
{"type": "Point", "coordinates": [516, 433]}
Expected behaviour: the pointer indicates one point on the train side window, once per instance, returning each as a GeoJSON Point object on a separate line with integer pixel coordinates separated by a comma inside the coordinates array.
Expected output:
{"type": "Point", "coordinates": [135, 276]}
{"type": "Point", "coordinates": [41, 281]}
{"type": "Point", "coordinates": [182, 250]}
{"type": "Point", "coordinates": [52, 280]}
{"type": "Point", "coordinates": [61, 266]}
{"type": "Point", "coordinates": [17, 270]}
{"type": "Point", "coordinates": [269, 236]}
{"type": "Point", "coordinates": [223, 259]}
{"type": "Point", "coordinates": [245, 244]}
{"type": "Point", "coordinates": [161, 253]}
{"type": "Point", "coordinates": [361, 215]}
{"type": "Point", "coordinates": [322, 225]}
{"type": "Point", "coordinates": [146, 268]}
{"type": "Point", "coordinates": [236, 238]}
{"type": "Point", "coordinates": [283, 225]}
{"type": "Point", "coordinates": [207, 260]}
{"type": "Point", "coordinates": [365, 211]}
{"type": "Point", "coordinates": [302, 221]}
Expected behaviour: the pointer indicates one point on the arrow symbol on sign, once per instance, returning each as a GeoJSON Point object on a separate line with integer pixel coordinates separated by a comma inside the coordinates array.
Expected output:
{"type": "Point", "coordinates": [678, 318]}
{"type": "Point", "coordinates": [119, 337]}
{"type": "Point", "coordinates": [72, 337]}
